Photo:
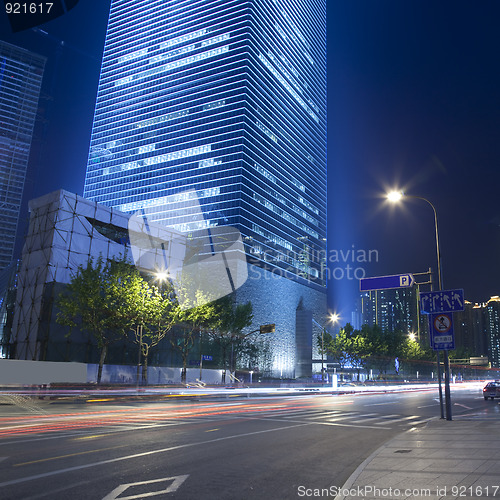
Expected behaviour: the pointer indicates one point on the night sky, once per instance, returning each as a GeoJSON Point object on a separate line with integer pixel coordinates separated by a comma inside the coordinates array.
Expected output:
{"type": "Point", "coordinates": [413, 103]}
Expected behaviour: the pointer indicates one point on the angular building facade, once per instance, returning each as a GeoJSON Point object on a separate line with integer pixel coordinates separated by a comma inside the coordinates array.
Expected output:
{"type": "Point", "coordinates": [227, 99]}
{"type": "Point", "coordinates": [21, 75]}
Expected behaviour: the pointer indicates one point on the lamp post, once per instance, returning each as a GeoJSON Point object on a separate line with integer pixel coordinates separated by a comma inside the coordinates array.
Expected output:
{"type": "Point", "coordinates": [160, 276]}
{"type": "Point", "coordinates": [334, 317]}
{"type": "Point", "coordinates": [394, 197]}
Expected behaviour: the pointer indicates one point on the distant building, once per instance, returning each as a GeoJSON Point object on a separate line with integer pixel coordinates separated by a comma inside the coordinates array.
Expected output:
{"type": "Point", "coordinates": [470, 329]}
{"type": "Point", "coordinates": [492, 329]}
{"type": "Point", "coordinates": [21, 75]}
{"type": "Point", "coordinates": [477, 328]}
{"type": "Point", "coordinates": [393, 310]}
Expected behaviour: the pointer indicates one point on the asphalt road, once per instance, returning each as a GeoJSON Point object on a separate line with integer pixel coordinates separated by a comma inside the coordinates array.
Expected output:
{"type": "Point", "coordinates": [233, 448]}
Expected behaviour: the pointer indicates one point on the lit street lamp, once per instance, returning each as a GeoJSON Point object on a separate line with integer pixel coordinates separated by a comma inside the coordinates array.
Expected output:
{"type": "Point", "coordinates": [394, 197]}
{"type": "Point", "coordinates": [334, 318]}
{"type": "Point", "coordinates": [160, 276]}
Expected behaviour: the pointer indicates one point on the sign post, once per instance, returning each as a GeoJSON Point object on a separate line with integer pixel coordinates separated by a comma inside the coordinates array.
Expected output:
{"type": "Point", "coordinates": [440, 306]}
{"type": "Point", "coordinates": [386, 282]}
{"type": "Point", "coordinates": [204, 357]}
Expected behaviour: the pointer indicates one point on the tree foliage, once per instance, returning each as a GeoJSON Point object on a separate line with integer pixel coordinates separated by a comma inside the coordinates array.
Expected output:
{"type": "Point", "coordinates": [227, 330]}
{"type": "Point", "coordinates": [371, 348]}
{"type": "Point", "coordinates": [93, 301]}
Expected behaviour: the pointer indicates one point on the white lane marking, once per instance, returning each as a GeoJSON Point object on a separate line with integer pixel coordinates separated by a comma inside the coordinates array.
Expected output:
{"type": "Point", "coordinates": [340, 417]}
{"type": "Point", "coordinates": [350, 425]}
{"type": "Point", "coordinates": [427, 406]}
{"type": "Point", "coordinates": [174, 486]}
{"type": "Point", "coordinates": [145, 454]}
{"type": "Point", "coordinates": [463, 406]}
{"type": "Point", "coordinates": [420, 421]}
{"type": "Point", "coordinates": [313, 422]}
{"type": "Point", "coordinates": [371, 417]}
{"type": "Point", "coordinates": [327, 414]}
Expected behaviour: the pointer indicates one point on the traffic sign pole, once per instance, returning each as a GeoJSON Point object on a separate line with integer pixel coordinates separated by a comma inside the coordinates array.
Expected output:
{"type": "Point", "coordinates": [438, 358]}
{"type": "Point", "coordinates": [447, 385]}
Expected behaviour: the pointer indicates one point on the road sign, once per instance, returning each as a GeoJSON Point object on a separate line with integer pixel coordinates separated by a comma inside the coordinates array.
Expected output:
{"type": "Point", "coordinates": [386, 282]}
{"type": "Point", "coordinates": [207, 358]}
{"type": "Point", "coordinates": [444, 301]}
{"type": "Point", "coordinates": [268, 328]}
{"type": "Point", "coordinates": [442, 337]}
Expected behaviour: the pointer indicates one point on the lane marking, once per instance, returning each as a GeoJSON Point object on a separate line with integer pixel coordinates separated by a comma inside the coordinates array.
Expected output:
{"type": "Point", "coordinates": [70, 455]}
{"type": "Point", "coordinates": [144, 454]}
{"type": "Point", "coordinates": [313, 422]}
{"type": "Point", "coordinates": [327, 415]}
{"type": "Point", "coordinates": [463, 406]}
{"type": "Point", "coordinates": [174, 486]}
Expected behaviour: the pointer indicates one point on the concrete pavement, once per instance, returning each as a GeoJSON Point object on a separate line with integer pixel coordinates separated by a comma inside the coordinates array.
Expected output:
{"type": "Point", "coordinates": [444, 460]}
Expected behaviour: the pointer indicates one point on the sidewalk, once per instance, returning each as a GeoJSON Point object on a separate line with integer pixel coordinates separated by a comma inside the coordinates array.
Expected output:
{"type": "Point", "coordinates": [445, 459]}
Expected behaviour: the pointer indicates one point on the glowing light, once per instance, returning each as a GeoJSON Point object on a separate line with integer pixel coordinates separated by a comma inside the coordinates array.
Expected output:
{"type": "Point", "coordinates": [161, 275]}
{"type": "Point", "coordinates": [334, 317]}
{"type": "Point", "coordinates": [394, 196]}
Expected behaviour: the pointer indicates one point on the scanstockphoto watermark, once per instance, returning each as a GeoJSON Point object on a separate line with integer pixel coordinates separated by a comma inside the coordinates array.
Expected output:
{"type": "Point", "coordinates": [370, 491]}
{"type": "Point", "coordinates": [362, 492]}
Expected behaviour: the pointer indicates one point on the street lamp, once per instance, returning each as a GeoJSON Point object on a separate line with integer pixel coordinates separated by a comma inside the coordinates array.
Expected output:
{"type": "Point", "coordinates": [333, 318]}
{"type": "Point", "coordinates": [394, 197]}
{"type": "Point", "coordinates": [160, 276]}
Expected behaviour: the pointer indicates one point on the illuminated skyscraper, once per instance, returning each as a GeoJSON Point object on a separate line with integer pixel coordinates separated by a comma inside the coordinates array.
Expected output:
{"type": "Point", "coordinates": [227, 98]}
{"type": "Point", "coordinates": [20, 81]}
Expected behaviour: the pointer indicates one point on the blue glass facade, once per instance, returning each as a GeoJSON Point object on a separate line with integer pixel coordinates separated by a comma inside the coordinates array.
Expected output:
{"type": "Point", "coordinates": [227, 98]}
{"type": "Point", "coordinates": [21, 75]}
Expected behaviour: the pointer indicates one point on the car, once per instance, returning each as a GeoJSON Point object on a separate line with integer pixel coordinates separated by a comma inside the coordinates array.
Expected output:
{"type": "Point", "coordinates": [492, 390]}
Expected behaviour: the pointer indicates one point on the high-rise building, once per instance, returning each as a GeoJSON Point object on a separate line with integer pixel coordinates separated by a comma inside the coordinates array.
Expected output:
{"type": "Point", "coordinates": [228, 99]}
{"type": "Point", "coordinates": [477, 328]}
{"type": "Point", "coordinates": [21, 75]}
{"type": "Point", "coordinates": [393, 310]}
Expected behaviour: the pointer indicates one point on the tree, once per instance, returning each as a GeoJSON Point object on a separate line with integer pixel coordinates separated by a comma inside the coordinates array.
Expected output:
{"type": "Point", "coordinates": [337, 347]}
{"type": "Point", "coordinates": [227, 326]}
{"type": "Point", "coordinates": [359, 349]}
{"type": "Point", "coordinates": [148, 311]}
{"type": "Point", "coordinates": [191, 322]}
{"type": "Point", "coordinates": [91, 303]}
